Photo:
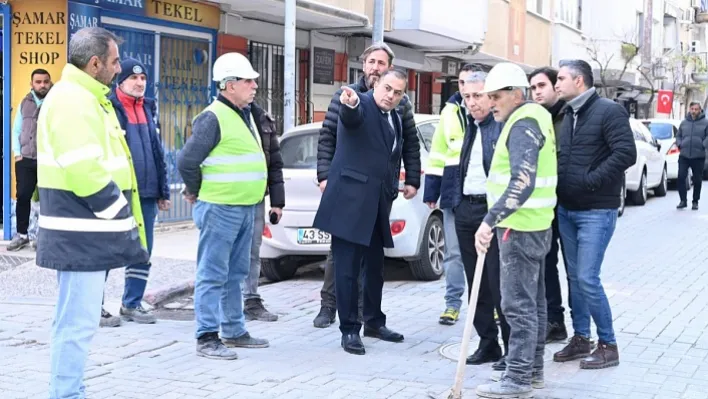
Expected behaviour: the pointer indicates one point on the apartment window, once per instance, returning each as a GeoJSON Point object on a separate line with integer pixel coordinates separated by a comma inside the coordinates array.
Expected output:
{"type": "Point", "coordinates": [540, 7]}
{"type": "Point", "coordinates": [569, 12]}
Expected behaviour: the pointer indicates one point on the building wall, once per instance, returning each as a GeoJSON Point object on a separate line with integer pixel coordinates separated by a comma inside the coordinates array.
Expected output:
{"type": "Point", "coordinates": [537, 40]}
{"type": "Point", "coordinates": [568, 43]}
{"type": "Point", "coordinates": [496, 42]}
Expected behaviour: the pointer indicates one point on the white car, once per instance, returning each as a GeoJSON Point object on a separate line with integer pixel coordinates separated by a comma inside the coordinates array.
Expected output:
{"type": "Point", "coordinates": [664, 131]}
{"type": "Point", "coordinates": [650, 170]}
{"type": "Point", "coordinates": [417, 230]}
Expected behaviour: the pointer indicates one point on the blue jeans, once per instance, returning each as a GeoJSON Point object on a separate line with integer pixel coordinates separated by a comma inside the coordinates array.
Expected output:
{"type": "Point", "coordinates": [452, 263]}
{"type": "Point", "coordinates": [250, 285]}
{"type": "Point", "coordinates": [136, 276]}
{"type": "Point", "coordinates": [76, 318]}
{"type": "Point", "coordinates": [523, 299]}
{"type": "Point", "coordinates": [585, 236]}
{"type": "Point", "coordinates": [223, 259]}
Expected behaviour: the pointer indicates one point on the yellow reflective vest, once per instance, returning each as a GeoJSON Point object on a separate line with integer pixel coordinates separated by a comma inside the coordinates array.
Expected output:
{"type": "Point", "coordinates": [90, 218]}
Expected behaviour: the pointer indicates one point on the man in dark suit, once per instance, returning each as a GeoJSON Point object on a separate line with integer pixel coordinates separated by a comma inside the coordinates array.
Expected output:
{"type": "Point", "coordinates": [356, 204]}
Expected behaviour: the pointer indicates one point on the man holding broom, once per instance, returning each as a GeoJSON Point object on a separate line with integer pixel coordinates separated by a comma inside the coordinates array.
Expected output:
{"type": "Point", "coordinates": [521, 194]}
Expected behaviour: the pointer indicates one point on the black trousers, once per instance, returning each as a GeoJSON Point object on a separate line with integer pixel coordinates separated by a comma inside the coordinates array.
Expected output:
{"type": "Point", "coordinates": [349, 258]}
{"type": "Point", "coordinates": [554, 297]}
{"type": "Point", "coordinates": [26, 176]}
{"type": "Point", "coordinates": [696, 166]}
{"type": "Point", "coordinates": [468, 218]}
{"type": "Point", "coordinates": [327, 293]}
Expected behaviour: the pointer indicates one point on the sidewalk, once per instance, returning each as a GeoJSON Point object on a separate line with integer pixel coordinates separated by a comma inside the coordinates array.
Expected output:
{"type": "Point", "coordinates": [655, 274]}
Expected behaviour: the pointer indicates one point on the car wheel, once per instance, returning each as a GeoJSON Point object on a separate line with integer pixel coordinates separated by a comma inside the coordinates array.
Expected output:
{"type": "Point", "coordinates": [623, 199]}
{"type": "Point", "coordinates": [663, 187]}
{"type": "Point", "coordinates": [278, 269]}
{"type": "Point", "coordinates": [429, 264]}
{"type": "Point", "coordinates": [639, 197]}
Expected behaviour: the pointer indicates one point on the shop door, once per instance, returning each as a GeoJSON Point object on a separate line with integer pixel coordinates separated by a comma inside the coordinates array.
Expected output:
{"type": "Point", "coordinates": [425, 94]}
{"type": "Point", "coordinates": [183, 92]}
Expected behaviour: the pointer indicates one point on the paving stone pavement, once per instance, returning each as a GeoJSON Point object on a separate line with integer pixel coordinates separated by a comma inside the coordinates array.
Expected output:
{"type": "Point", "coordinates": [655, 275]}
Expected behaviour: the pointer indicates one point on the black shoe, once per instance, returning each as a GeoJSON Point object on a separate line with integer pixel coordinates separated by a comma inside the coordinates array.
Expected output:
{"type": "Point", "coordinates": [485, 355]}
{"type": "Point", "coordinates": [325, 317]}
{"type": "Point", "coordinates": [500, 365]}
{"type": "Point", "coordinates": [383, 333]}
{"type": "Point", "coordinates": [681, 205]}
{"type": "Point", "coordinates": [556, 332]}
{"type": "Point", "coordinates": [695, 206]}
{"type": "Point", "coordinates": [351, 343]}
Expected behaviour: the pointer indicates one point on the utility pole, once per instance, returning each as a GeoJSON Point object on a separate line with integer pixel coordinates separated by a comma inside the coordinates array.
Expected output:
{"type": "Point", "coordinates": [289, 55]}
{"type": "Point", "coordinates": [377, 35]}
{"type": "Point", "coordinates": [646, 40]}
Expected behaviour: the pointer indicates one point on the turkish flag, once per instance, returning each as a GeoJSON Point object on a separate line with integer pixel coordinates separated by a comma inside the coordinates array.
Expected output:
{"type": "Point", "coordinates": [666, 102]}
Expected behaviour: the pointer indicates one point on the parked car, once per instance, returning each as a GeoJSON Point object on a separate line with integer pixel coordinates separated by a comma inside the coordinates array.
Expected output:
{"type": "Point", "coordinates": [650, 170]}
{"type": "Point", "coordinates": [417, 230]}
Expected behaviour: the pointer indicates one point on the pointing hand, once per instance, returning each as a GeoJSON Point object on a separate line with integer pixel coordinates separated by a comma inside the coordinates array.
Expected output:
{"type": "Point", "coordinates": [348, 97]}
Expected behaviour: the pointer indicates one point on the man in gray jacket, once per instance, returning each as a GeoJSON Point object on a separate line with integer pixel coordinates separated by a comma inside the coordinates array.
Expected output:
{"type": "Point", "coordinates": [692, 140]}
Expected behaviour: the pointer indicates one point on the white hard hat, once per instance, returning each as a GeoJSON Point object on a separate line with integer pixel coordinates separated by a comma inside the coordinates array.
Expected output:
{"type": "Point", "coordinates": [233, 65]}
{"type": "Point", "coordinates": [503, 75]}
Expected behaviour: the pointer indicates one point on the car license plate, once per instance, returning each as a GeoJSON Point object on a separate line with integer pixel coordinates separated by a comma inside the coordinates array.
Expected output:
{"type": "Point", "coordinates": [313, 236]}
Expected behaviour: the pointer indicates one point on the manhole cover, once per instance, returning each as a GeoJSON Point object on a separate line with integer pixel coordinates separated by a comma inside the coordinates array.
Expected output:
{"type": "Point", "coordinates": [8, 262]}
{"type": "Point", "coordinates": [452, 351]}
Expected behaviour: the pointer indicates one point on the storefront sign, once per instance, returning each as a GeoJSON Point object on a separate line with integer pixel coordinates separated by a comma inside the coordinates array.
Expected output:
{"type": "Point", "coordinates": [82, 16]}
{"type": "Point", "coordinates": [323, 66]}
{"type": "Point", "coordinates": [185, 12]}
{"type": "Point", "coordinates": [39, 40]}
{"type": "Point", "coordinates": [136, 7]}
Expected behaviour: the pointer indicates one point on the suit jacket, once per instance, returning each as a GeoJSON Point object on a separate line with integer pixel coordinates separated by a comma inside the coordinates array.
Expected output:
{"type": "Point", "coordinates": [363, 176]}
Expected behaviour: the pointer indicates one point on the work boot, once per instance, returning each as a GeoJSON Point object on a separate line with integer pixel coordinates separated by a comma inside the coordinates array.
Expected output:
{"type": "Point", "coordinates": [505, 388]}
{"type": "Point", "coordinates": [18, 242]}
{"type": "Point", "coordinates": [210, 346]}
{"type": "Point", "coordinates": [578, 348]}
{"type": "Point", "coordinates": [681, 205]}
{"type": "Point", "coordinates": [694, 206]}
{"type": "Point", "coordinates": [449, 316]}
{"type": "Point", "coordinates": [254, 310]}
{"type": "Point", "coordinates": [326, 317]}
{"type": "Point", "coordinates": [139, 315]}
{"type": "Point", "coordinates": [556, 332]}
{"type": "Point", "coordinates": [245, 341]}
{"type": "Point", "coordinates": [604, 356]}
{"type": "Point", "coordinates": [108, 320]}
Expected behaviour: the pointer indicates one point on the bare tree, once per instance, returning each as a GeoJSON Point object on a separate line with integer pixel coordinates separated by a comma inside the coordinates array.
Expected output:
{"type": "Point", "coordinates": [628, 52]}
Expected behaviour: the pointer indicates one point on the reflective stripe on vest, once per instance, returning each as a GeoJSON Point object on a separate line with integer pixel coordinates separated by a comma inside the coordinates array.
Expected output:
{"type": "Point", "coordinates": [536, 213]}
{"type": "Point", "coordinates": [235, 172]}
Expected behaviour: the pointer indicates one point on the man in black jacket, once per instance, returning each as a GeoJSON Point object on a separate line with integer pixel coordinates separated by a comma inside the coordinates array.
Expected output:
{"type": "Point", "coordinates": [253, 307]}
{"type": "Point", "coordinates": [596, 147]}
{"type": "Point", "coordinates": [692, 141]}
{"type": "Point", "coordinates": [543, 81]}
{"type": "Point", "coordinates": [376, 59]}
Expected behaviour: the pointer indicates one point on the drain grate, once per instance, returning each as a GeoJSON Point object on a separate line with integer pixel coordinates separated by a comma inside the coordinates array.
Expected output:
{"type": "Point", "coordinates": [8, 262]}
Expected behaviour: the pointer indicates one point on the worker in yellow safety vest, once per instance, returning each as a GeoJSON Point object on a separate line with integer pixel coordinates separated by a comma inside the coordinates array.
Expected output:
{"type": "Point", "coordinates": [521, 195]}
{"type": "Point", "coordinates": [225, 174]}
{"type": "Point", "coordinates": [90, 219]}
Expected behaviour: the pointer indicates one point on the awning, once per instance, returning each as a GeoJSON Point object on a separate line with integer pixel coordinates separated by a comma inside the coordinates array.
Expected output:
{"type": "Point", "coordinates": [311, 15]}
